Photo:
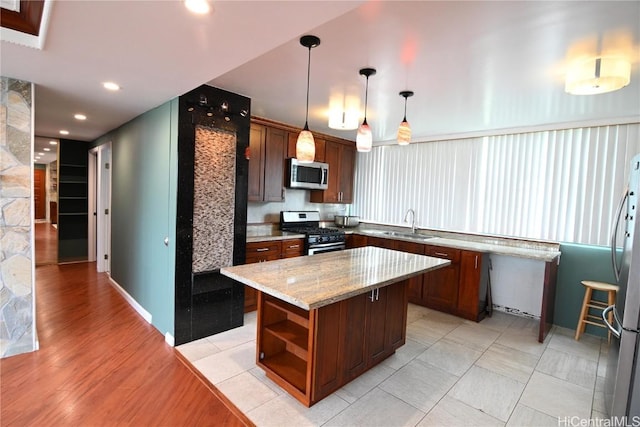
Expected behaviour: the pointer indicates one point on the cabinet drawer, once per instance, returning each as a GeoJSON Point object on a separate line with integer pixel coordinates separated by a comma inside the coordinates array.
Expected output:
{"type": "Point", "coordinates": [261, 251]}
{"type": "Point", "coordinates": [292, 248]}
{"type": "Point", "coordinates": [443, 252]}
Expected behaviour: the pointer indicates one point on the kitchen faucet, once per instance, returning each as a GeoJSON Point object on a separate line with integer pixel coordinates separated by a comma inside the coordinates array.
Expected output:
{"type": "Point", "coordinates": [413, 219]}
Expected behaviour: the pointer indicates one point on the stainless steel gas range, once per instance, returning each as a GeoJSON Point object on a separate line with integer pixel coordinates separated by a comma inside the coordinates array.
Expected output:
{"type": "Point", "coordinates": [317, 239]}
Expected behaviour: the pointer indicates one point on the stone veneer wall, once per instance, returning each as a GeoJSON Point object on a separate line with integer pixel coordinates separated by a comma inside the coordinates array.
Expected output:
{"type": "Point", "coordinates": [17, 296]}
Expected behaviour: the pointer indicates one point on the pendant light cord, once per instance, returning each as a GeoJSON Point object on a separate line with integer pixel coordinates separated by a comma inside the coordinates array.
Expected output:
{"type": "Point", "coordinates": [306, 117]}
{"type": "Point", "coordinates": [366, 98]}
{"type": "Point", "coordinates": [405, 109]}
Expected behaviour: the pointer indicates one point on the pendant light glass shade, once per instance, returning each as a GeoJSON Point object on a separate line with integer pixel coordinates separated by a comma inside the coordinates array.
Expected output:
{"type": "Point", "coordinates": [404, 131]}
{"type": "Point", "coordinates": [306, 146]}
{"type": "Point", "coordinates": [364, 137]}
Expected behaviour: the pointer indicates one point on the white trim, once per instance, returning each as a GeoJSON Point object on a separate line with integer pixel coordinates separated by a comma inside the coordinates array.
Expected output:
{"type": "Point", "coordinates": [34, 335]}
{"type": "Point", "coordinates": [132, 302]}
{"type": "Point", "coordinates": [91, 202]}
{"type": "Point", "coordinates": [103, 198]}
{"type": "Point", "coordinates": [169, 339]}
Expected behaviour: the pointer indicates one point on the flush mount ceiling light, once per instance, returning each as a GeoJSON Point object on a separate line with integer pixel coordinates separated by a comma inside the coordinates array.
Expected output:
{"type": "Point", "coordinates": [364, 138]}
{"type": "Point", "coordinates": [404, 131]}
{"type": "Point", "coordinates": [597, 75]}
{"type": "Point", "coordinates": [64, 132]}
{"type": "Point", "coordinates": [343, 112]}
{"type": "Point", "coordinates": [199, 7]}
{"type": "Point", "coordinates": [80, 117]}
{"type": "Point", "coordinates": [306, 146]}
{"type": "Point", "coordinates": [52, 142]}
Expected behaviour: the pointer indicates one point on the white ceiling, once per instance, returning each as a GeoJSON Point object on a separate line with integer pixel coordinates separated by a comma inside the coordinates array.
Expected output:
{"type": "Point", "coordinates": [474, 66]}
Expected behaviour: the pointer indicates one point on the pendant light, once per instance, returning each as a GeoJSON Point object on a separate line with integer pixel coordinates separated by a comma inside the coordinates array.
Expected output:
{"type": "Point", "coordinates": [306, 146]}
{"type": "Point", "coordinates": [364, 139]}
{"type": "Point", "coordinates": [404, 131]}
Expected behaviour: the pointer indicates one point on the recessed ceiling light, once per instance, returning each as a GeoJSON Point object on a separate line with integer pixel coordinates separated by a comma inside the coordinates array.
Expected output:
{"type": "Point", "coordinates": [64, 132]}
{"type": "Point", "coordinates": [40, 154]}
{"type": "Point", "coordinates": [80, 117]}
{"type": "Point", "coordinates": [37, 158]}
{"type": "Point", "coordinates": [198, 6]}
{"type": "Point", "coordinates": [111, 86]}
{"type": "Point", "coordinates": [47, 149]}
{"type": "Point", "coordinates": [53, 142]}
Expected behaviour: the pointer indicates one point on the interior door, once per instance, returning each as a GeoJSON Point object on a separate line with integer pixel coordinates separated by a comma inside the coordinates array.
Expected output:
{"type": "Point", "coordinates": [39, 193]}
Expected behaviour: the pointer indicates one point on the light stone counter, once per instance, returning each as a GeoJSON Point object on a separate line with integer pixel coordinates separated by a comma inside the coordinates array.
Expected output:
{"type": "Point", "coordinates": [520, 252]}
{"type": "Point", "coordinates": [311, 282]}
{"type": "Point", "coordinates": [274, 235]}
{"type": "Point", "coordinates": [519, 249]}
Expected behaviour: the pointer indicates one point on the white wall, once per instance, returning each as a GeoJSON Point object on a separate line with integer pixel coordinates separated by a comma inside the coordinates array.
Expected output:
{"type": "Point", "coordinates": [295, 200]}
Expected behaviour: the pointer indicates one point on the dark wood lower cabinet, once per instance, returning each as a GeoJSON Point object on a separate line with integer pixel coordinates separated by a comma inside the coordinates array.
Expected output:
{"type": "Point", "coordinates": [472, 288]}
{"type": "Point", "coordinates": [313, 353]}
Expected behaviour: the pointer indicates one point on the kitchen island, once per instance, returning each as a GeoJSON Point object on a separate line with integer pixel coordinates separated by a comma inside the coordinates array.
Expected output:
{"type": "Point", "coordinates": [325, 319]}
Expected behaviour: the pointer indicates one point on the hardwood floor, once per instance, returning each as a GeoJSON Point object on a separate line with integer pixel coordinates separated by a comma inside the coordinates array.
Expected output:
{"type": "Point", "coordinates": [99, 363]}
{"type": "Point", "coordinates": [46, 240]}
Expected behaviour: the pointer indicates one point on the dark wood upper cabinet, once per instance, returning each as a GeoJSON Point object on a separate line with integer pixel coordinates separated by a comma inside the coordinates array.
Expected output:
{"type": "Point", "coordinates": [341, 158]}
{"type": "Point", "coordinates": [257, 137]}
{"type": "Point", "coordinates": [266, 166]}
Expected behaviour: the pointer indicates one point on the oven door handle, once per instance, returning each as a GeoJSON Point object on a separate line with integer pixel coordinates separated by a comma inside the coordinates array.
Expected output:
{"type": "Point", "coordinates": [326, 245]}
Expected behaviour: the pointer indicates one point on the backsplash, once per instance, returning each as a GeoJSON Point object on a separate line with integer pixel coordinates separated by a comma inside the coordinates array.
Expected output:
{"type": "Point", "coordinates": [295, 200]}
{"type": "Point", "coordinates": [213, 199]}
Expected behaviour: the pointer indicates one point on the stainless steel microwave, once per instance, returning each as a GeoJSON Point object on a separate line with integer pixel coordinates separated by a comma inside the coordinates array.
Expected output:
{"type": "Point", "coordinates": [314, 176]}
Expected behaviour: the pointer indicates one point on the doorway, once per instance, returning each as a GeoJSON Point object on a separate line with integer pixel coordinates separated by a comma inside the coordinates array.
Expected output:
{"type": "Point", "coordinates": [40, 193]}
{"type": "Point", "coordinates": [45, 198]}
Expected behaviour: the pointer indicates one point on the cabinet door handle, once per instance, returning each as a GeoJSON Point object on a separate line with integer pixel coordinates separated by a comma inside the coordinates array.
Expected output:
{"type": "Point", "coordinates": [476, 262]}
{"type": "Point", "coordinates": [371, 297]}
{"type": "Point", "coordinates": [377, 294]}
{"type": "Point", "coordinates": [262, 249]}
{"type": "Point", "coordinates": [294, 246]}
{"type": "Point", "coordinates": [442, 254]}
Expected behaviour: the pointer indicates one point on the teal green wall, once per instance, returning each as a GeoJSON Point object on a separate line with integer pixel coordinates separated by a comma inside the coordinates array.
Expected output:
{"type": "Point", "coordinates": [577, 263]}
{"type": "Point", "coordinates": [143, 206]}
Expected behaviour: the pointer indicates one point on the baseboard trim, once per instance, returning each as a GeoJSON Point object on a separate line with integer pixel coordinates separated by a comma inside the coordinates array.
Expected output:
{"type": "Point", "coordinates": [132, 302]}
{"type": "Point", "coordinates": [169, 339]}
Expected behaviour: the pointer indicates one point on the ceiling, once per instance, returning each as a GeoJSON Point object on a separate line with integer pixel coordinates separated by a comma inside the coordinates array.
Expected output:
{"type": "Point", "coordinates": [474, 66]}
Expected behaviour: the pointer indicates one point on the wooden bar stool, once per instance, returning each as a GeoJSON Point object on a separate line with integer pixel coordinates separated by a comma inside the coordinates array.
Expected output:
{"type": "Point", "coordinates": [590, 303]}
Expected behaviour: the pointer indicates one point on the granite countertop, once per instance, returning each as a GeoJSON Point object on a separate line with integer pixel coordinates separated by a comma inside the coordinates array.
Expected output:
{"type": "Point", "coordinates": [519, 249]}
{"type": "Point", "coordinates": [311, 282]}
{"type": "Point", "coordinates": [273, 235]}
{"type": "Point", "coordinates": [516, 251]}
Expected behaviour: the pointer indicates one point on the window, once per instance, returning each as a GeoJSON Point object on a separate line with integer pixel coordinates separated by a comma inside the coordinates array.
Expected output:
{"type": "Point", "coordinates": [560, 185]}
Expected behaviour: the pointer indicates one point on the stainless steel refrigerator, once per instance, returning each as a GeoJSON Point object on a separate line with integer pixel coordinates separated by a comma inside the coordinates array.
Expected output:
{"type": "Point", "coordinates": [622, 385]}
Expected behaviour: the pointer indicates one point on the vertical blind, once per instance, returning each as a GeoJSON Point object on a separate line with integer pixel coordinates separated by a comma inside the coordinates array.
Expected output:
{"type": "Point", "coordinates": [559, 185]}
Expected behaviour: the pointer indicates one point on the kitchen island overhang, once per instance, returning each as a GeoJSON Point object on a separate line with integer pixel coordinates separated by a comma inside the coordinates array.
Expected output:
{"type": "Point", "coordinates": [325, 319]}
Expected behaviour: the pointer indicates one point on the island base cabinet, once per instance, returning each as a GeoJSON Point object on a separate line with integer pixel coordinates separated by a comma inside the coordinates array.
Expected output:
{"type": "Point", "coordinates": [313, 353]}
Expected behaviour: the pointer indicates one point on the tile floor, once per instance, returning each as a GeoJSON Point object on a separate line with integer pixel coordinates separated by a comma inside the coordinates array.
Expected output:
{"type": "Point", "coordinates": [450, 372]}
